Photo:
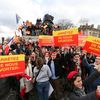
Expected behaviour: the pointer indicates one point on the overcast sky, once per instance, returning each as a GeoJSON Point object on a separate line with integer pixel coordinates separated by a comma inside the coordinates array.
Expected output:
{"type": "Point", "coordinates": [60, 9]}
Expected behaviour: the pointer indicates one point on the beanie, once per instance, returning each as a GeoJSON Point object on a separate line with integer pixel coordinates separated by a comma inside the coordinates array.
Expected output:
{"type": "Point", "coordinates": [71, 74]}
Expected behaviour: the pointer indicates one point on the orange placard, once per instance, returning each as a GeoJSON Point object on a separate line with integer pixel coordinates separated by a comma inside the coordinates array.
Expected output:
{"type": "Point", "coordinates": [11, 65]}
{"type": "Point", "coordinates": [92, 45]}
{"type": "Point", "coordinates": [82, 40]}
{"type": "Point", "coordinates": [46, 40]}
{"type": "Point", "coordinates": [66, 37]}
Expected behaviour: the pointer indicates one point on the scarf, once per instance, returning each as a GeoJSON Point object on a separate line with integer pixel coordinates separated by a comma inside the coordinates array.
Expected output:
{"type": "Point", "coordinates": [79, 92]}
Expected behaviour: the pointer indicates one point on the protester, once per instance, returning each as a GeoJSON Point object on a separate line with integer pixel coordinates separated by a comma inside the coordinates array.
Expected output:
{"type": "Point", "coordinates": [90, 69]}
{"type": "Point", "coordinates": [55, 66]}
{"type": "Point", "coordinates": [77, 87]}
{"type": "Point", "coordinates": [26, 82]}
{"type": "Point", "coordinates": [42, 74]}
{"type": "Point", "coordinates": [47, 57]}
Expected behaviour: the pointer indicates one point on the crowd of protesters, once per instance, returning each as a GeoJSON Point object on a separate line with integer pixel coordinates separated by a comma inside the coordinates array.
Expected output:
{"type": "Point", "coordinates": [67, 68]}
{"type": "Point", "coordinates": [73, 73]}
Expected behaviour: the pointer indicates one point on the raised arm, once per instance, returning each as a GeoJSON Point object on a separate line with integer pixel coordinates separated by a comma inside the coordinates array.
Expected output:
{"type": "Point", "coordinates": [85, 63]}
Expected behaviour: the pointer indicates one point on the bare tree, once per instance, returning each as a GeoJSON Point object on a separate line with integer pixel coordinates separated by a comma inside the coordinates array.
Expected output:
{"type": "Point", "coordinates": [65, 24]}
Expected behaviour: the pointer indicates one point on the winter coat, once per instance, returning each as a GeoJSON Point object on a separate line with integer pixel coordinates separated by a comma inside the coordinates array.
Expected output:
{"type": "Point", "coordinates": [90, 70]}
{"type": "Point", "coordinates": [79, 95]}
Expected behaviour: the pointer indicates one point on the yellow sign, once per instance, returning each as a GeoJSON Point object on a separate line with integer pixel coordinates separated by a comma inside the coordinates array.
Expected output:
{"type": "Point", "coordinates": [45, 37]}
{"type": "Point", "coordinates": [93, 39]}
{"type": "Point", "coordinates": [66, 32]}
{"type": "Point", "coordinates": [12, 58]}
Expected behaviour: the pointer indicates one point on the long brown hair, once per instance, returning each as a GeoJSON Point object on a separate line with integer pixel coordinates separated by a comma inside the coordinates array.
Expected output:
{"type": "Point", "coordinates": [26, 60]}
{"type": "Point", "coordinates": [39, 62]}
{"type": "Point", "coordinates": [70, 83]}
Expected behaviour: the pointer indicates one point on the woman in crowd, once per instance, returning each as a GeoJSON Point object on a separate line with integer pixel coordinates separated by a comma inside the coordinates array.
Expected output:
{"type": "Point", "coordinates": [25, 80]}
{"type": "Point", "coordinates": [28, 84]}
{"type": "Point", "coordinates": [77, 87]}
{"type": "Point", "coordinates": [42, 74]}
{"type": "Point", "coordinates": [32, 59]}
{"type": "Point", "coordinates": [47, 57]}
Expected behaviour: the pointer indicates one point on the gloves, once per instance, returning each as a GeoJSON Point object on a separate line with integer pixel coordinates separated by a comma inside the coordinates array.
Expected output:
{"type": "Point", "coordinates": [22, 93]}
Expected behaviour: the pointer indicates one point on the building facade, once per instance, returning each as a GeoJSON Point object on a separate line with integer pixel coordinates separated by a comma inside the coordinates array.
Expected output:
{"type": "Point", "coordinates": [90, 30]}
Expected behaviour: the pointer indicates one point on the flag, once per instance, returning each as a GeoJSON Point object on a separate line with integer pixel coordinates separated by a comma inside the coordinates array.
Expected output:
{"type": "Point", "coordinates": [7, 47]}
{"type": "Point", "coordinates": [18, 18]}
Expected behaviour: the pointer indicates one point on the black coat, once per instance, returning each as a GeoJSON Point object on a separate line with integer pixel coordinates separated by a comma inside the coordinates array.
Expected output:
{"type": "Point", "coordinates": [8, 88]}
{"type": "Point", "coordinates": [57, 66]}
{"type": "Point", "coordinates": [4, 87]}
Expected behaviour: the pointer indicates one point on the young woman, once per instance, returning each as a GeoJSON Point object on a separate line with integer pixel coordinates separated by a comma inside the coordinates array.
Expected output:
{"type": "Point", "coordinates": [42, 74]}
{"type": "Point", "coordinates": [47, 57]}
{"type": "Point", "coordinates": [26, 83]}
{"type": "Point", "coordinates": [77, 87]}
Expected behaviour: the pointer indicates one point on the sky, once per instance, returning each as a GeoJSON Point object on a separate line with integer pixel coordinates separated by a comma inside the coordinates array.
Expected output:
{"type": "Point", "coordinates": [75, 10]}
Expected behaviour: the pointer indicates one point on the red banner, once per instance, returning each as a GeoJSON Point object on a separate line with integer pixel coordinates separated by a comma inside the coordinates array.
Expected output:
{"type": "Point", "coordinates": [66, 37]}
{"type": "Point", "coordinates": [46, 40]}
{"type": "Point", "coordinates": [66, 40]}
{"type": "Point", "coordinates": [12, 65]}
{"type": "Point", "coordinates": [92, 45]}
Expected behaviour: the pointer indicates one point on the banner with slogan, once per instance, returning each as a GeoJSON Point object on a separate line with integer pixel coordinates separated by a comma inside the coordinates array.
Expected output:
{"type": "Point", "coordinates": [66, 37]}
{"type": "Point", "coordinates": [92, 45]}
{"type": "Point", "coordinates": [46, 40]}
{"type": "Point", "coordinates": [11, 65]}
{"type": "Point", "coordinates": [82, 40]}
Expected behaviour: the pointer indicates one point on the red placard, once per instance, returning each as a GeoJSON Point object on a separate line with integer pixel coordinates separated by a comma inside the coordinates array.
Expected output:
{"type": "Point", "coordinates": [92, 45]}
{"type": "Point", "coordinates": [66, 40]}
{"type": "Point", "coordinates": [12, 65]}
{"type": "Point", "coordinates": [46, 41]}
{"type": "Point", "coordinates": [66, 37]}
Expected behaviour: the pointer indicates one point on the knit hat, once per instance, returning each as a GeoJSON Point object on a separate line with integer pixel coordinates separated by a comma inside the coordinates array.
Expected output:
{"type": "Point", "coordinates": [71, 74]}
